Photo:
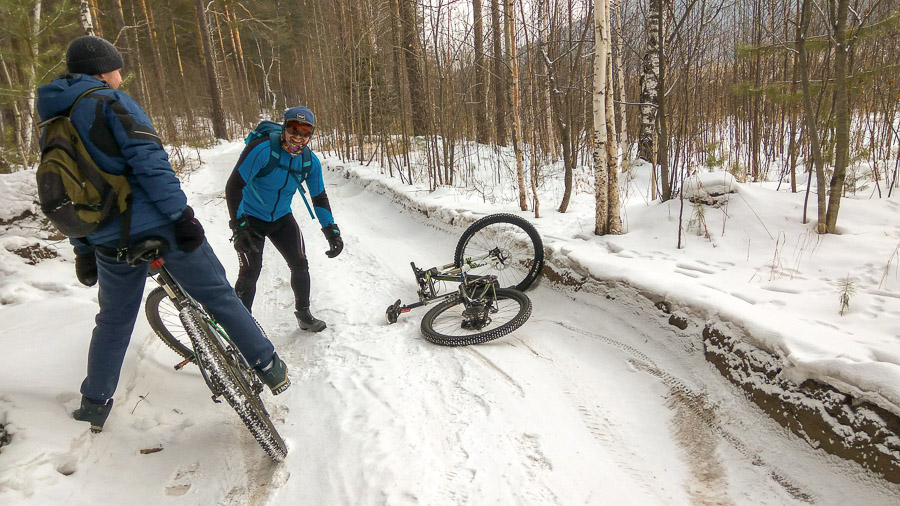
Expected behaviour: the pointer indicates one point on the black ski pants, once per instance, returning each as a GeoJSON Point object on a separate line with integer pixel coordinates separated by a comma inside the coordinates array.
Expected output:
{"type": "Point", "coordinates": [288, 240]}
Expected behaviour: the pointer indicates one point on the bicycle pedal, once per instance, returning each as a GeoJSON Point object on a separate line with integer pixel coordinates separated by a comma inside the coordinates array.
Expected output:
{"type": "Point", "coordinates": [179, 366]}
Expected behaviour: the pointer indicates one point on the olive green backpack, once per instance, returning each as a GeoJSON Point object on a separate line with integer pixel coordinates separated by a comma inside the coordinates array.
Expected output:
{"type": "Point", "coordinates": [76, 195]}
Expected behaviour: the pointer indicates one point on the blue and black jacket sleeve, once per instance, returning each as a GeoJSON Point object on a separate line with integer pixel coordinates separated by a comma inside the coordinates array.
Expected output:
{"type": "Point", "coordinates": [316, 186]}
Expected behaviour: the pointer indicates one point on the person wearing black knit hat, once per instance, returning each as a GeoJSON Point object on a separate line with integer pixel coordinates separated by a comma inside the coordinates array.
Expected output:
{"type": "Point", "coordinates": [92, 56]}
{"type": "Point", "coordinates": [120, 139]}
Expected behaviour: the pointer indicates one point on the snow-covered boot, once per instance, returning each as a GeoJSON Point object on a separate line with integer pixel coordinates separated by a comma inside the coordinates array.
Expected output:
{"type": "Point", "coordinates": [93, 412]}
{"type": "Point", "coordinates": [307, 321]}
{"type": "Point", "coordinates": [274, 374]}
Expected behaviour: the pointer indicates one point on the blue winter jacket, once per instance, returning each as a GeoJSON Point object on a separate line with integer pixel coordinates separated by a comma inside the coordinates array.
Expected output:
{"type": "Point", "coordinates": [118, 134]}
{"type": "Point", "coordinates": [269, 197]}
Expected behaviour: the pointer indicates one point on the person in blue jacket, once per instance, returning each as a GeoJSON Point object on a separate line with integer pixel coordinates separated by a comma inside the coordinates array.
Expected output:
{"type": "Point", "coordinates": [120, 138]}
{"type": "Point", "coordinates": [259, 204]}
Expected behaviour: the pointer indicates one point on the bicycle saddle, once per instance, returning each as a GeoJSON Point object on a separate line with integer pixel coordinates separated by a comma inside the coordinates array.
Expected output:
{"type": "Point", "coordinates": [147, 250]}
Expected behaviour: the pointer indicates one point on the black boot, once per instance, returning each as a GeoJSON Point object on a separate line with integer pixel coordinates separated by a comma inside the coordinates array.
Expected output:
{"type": "Point", "coordinates": [93, 412]}
{"type": "Point", "coordinates": [275, 375]}
{"type": "Point", "coordinates": [307, 321]}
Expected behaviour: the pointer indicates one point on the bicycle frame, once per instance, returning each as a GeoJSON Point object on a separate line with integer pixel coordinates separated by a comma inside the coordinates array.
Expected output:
{"type": "Point", "coordinates": [180, 299]}
{"type": "Point", "coordinates": [226, 372]}
{"type": "Point", "coordinates": [471, 288]}
{"type": "Point", "coordinates": [450, 272]}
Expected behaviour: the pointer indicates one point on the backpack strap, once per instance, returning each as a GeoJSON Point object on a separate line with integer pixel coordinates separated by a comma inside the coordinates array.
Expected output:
{"type": "Point", "coordinates": [71, 109]}
{"type": "Point", "coordinates": [274, 155]}
{"type": "Point", "coordinates": [305, 167]}
{"type": "Point", "coordinates": [275, 161]}
{"type": "Point", "coordinates": [125, 223]}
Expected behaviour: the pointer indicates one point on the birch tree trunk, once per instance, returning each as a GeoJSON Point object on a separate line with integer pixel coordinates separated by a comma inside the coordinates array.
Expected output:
{"type": "Point", "coordinates": [514, 89]}
{"type": "Point", "coordinates": [662, 139]}
{"type": "Point", "coordinates": [620, 116]}
{"type": "Point", "coordinates": [601, 132]}
{"type": "Point", "coordinates": [650, 83]}
{"type": "Point", "coordinates": [84, 13]}
{"type": "Point", "coordinates": [614, 218]}
{"type": "Point", "coordinates": [28, 137]}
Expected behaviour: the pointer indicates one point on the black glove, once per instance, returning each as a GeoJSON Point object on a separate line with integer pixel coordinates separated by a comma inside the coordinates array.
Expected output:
{"type": "Point", "coordinates": [335, 243]}
{"type": "Point", "coordinates": [188, 231]}
{"type": "Point", "coordinates": [86, 268]}
{"type": "Point", "coordinates": [244, 237]}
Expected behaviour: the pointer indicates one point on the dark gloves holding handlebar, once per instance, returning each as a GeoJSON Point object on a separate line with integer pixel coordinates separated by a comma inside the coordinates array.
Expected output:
{"type": "Point", "coordinates": [188, 231]}
{"type": "Point", "coordinates": [335, 243]}
{"type": "Point", "coordinates": [244, 237]}
{"type": "Point", "coordinates": [86, 268]}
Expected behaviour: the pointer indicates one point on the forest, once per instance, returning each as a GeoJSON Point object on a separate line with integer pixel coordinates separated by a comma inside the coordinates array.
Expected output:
{"type": "Point", "coordinates": [803, 93]}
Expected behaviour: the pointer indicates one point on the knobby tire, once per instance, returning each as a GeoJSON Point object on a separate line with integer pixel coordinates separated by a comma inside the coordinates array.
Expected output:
{"type": "Point", "coordinates": [443, 324]}
{"type": "Point", "coordinates": [513, 235]}
{"type": "Point", "coordinates": [229, 374]}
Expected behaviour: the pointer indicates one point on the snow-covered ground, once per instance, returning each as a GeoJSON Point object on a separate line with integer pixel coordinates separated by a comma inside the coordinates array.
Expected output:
{"type": "Point", "coordinates": [594, 400]}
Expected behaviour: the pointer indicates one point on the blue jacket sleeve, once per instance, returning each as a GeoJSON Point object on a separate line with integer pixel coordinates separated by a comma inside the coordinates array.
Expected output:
{"type": "Point", "coordinates": [143, 151]}
{"type": "Point", "coordinates": [316, 186]}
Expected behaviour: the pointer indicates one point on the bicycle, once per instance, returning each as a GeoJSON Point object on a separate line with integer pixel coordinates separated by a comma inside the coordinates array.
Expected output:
{"type": "Point", "coordinates": [185, 327]}
{"type": "Point", "coordinates": [496, 259]}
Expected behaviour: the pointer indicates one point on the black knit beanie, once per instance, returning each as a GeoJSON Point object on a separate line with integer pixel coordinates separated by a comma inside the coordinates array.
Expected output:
{"type": "Point", "coordinates": [93, 56]}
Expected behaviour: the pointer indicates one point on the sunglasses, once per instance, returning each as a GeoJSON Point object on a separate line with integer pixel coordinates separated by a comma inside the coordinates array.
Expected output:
{"type": "Point", "coordinates": [295, 131]}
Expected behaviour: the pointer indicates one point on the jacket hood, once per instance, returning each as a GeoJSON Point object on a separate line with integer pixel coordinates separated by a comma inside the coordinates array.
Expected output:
{"type": "Point", "coordinates": [58, 95]}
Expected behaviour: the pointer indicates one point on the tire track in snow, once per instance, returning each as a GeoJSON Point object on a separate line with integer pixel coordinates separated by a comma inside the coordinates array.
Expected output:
{"type": "Point", "coordinates": [691, 407]}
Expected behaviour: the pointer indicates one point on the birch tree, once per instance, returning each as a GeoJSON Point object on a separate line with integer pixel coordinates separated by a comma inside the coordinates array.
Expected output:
{"type": "Point", "coordinates": [514, 89]}
{"type": "Point", "coordinates": [650, 67]}
{"type": "Point", "coordinates": [601, 133]}
{"type": "Point", "coordinates": [31, 79]}
{"type": "Point", "coordinates": [87, 21]}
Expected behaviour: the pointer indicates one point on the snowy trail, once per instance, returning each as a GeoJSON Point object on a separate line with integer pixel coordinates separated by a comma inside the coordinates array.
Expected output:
{"type": "Point", "coordinates": [581, 405]}
{"type": "Point", "coordinates": [594, 400]}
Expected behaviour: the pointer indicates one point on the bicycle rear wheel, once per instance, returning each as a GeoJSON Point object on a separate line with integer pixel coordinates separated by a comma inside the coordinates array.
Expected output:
{"type": "Point", "coordinates": [514, 245]}
{"type": "Point", "coordinates": [163, 316]}
{"type": "Point", "coordinates": [234, 379]}
{"type": "Point", "coordinates": [444, 324]}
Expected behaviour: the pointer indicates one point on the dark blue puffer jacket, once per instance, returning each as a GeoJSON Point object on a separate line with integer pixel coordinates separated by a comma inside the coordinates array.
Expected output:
{"type": "Point", "coordinates": [118, 134]}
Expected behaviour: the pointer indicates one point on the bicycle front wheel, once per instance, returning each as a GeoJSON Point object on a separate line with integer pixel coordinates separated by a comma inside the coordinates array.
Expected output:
{"type": "Point", "coordinates": [514, 251]}
{"type": "Point", "coordinates": [445, 323]}
{"type": "Point", "coordinates": [235, 380]}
